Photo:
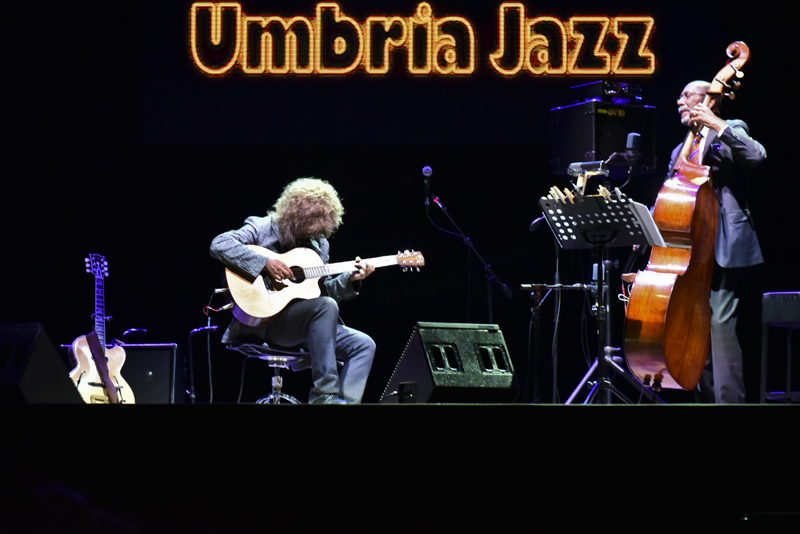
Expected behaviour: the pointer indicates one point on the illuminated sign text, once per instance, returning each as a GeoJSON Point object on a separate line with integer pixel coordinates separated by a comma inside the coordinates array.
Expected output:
{"type": "Point", "coordinates": [223, 37]}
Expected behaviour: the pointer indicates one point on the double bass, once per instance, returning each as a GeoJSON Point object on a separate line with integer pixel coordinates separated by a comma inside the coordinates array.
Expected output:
{"type": "Point", "coordinates": [668, 317]}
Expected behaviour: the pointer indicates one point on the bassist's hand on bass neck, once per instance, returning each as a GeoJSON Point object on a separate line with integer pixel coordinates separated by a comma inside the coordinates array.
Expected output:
{"type": "Point", "coordinates": [702, 115]}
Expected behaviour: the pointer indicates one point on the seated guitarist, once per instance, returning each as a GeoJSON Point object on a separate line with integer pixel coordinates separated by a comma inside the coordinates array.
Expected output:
{"type": "Point", "coordinates": [307, 213]}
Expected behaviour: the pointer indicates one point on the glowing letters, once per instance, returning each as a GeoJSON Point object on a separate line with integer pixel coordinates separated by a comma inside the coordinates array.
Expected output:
{"type": "Point", "coordinates": [332, 43]}
{"type": "Point", "coordinates": [560, 51]}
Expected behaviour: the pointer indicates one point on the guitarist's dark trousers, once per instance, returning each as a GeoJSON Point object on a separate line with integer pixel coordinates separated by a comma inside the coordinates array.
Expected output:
{"type": "Point", "coordinates": [314, 325]}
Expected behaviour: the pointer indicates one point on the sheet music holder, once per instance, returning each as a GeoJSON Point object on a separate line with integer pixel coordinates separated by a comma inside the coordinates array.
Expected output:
{"type": "Point", "coordinates": [599, 222]}
{"type": "Point", "coordinates": [580, 221]}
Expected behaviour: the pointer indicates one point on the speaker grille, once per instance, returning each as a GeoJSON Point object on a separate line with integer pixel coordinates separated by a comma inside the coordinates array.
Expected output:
{"type": "Point", "coordinates": [453, 362]}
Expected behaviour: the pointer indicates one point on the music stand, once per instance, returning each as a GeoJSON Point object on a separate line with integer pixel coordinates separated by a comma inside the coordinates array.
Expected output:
{"type": "Point", "coordinates": [599, 222]}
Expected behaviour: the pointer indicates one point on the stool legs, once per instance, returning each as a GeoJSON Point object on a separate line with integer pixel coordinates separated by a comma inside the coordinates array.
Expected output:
{"type": "Point", "coordinates": [277, 391]}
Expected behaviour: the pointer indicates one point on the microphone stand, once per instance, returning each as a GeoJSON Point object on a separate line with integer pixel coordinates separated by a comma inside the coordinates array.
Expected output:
{"type": "Point", "coordinates": [490, 276]}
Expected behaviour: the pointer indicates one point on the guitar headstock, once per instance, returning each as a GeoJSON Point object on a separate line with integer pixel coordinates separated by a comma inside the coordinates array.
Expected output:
{"type": "Point", "coordinates": [410, 259]}
{"type": "Point", "coordinates": [739, 54]}
{"type": "Point", "coordinates": [97, 265]}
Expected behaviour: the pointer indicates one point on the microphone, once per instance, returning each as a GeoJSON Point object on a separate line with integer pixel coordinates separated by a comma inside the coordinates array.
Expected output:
{"type": "Point", "coordinates": [535, 224]}
{"type": "Point", "coordinates": [427, 172]}
{"type": "Point", "coordinates": [631, 153]}
{"type": "Point", "coordinates": [633, 142]}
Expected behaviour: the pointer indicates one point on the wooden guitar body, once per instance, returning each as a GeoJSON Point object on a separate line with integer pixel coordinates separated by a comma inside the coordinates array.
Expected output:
{"type": "Point", "coordinates": [89, 380]}
{"type": "Point", "coordinates": [258, 302]}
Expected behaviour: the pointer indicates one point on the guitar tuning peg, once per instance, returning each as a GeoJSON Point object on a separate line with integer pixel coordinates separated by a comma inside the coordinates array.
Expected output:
{"type": "Point", "coordinates": [406, 251]}
{"type": "Point", "coordinates": [417, 269]}
{"type": "Point", "coordinates": [730, 94]}
{"type": "Point", "coordinates": [736, 83]}
{"type": "Point", "coordinates": [405, 269]}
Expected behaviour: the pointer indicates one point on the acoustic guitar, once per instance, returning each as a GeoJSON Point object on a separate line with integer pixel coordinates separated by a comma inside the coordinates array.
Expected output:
{"type": "Point", "coordinates": [258, 302]}
{"type": "Point", "coordinates": [97, 367]}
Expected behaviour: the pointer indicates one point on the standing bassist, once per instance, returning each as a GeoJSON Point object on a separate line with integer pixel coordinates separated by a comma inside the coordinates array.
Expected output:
{"type": "Point", "coordinates": [731, 153]}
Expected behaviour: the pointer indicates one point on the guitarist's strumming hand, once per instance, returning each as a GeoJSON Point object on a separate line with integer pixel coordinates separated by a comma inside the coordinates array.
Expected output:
{"type": "Point", "coordinates": [277, 270]}
{"type": "Point", "coordinates": [362, 270]}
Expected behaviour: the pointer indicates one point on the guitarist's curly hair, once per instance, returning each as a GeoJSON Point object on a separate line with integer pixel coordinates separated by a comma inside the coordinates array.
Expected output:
{"type": "Point", "coordinates": [308, 207]}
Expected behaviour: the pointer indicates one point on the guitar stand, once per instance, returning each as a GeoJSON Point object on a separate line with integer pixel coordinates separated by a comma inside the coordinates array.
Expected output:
{"type": "Point", "coordinates": [599, 222]}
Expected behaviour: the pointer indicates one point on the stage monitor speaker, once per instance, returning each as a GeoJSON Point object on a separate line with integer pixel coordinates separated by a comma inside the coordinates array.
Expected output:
{"type": "Point", "coordinates": [594, 130]}
{"type": "Point", "coordinates": [453, 362]}
{"type": "Point", "coordinates": [155, 372]}
{"type": "Point", "coordinates": [30, 368]}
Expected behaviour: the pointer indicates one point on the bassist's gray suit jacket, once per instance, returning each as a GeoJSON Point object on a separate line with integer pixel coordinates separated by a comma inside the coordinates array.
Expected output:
{"type": "Point", "coordinates": [730, 156]}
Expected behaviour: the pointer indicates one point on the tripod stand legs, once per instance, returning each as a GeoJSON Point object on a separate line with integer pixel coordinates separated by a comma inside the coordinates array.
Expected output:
{"type": "Point", "coordinates": [603, 384]}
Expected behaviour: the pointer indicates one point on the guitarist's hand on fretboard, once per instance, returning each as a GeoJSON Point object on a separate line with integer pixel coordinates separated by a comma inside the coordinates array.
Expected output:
{"type": "Point", "coordinates": [362, 270]}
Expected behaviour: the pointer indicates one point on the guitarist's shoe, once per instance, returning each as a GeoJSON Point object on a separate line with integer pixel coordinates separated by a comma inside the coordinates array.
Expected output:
{"type": "Point", "coordinates": [328, 399]}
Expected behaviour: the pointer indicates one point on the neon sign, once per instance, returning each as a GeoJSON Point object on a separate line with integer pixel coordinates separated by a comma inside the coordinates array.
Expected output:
{"type": "Point", "coordinates": [331, 43]}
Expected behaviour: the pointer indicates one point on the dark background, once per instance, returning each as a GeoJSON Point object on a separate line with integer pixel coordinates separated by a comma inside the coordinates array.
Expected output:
{"type": "Point", "coordinates": [117, 145]}
{"type": "Point", "coordinates": [121, 147]}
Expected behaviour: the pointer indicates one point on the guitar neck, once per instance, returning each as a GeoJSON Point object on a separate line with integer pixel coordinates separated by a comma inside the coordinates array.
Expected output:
{"type": "Point", "coordinates": [99, 311]}
{"type": "Point", "coordinates": [347, 266]}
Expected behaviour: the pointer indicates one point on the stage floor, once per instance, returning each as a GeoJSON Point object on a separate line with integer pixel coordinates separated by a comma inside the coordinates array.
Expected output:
{"type": "Point", "coordinates": [409, 468]}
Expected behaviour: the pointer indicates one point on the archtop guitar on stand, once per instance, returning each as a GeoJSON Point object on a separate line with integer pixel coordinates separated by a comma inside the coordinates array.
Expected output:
{"type": "Point", "coordinates": [97, 367]}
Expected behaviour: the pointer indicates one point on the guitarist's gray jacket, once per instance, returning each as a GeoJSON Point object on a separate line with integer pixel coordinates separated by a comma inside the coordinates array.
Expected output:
{"type": "Point", "coordinates": [261, 231]}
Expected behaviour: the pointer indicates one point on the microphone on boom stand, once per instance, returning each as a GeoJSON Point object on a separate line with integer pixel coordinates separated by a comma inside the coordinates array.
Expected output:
{"type": "Point", "coordinates": [426, 173]}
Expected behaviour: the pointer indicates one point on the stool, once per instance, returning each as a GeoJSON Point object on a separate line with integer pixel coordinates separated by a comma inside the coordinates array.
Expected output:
{"type": "Point", "coordinates": [278, 359]}
{"type": "Point", "coordinates": [781, 310]}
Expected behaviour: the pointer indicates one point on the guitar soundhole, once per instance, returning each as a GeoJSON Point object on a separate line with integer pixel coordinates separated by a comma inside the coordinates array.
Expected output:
{"type": "Point", "coordinates": [271, 285]}
{"type": "Point", "coordinates": [298, 275]}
